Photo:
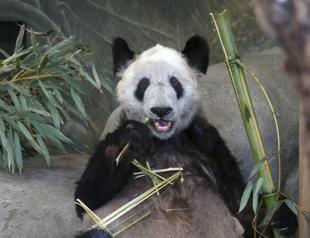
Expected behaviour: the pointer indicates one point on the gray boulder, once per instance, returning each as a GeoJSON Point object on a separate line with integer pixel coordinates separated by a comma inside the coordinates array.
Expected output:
{"type": "Point", "coordinates": [39, 202]}
{"type": "Point", "coordinates": [222, 110]}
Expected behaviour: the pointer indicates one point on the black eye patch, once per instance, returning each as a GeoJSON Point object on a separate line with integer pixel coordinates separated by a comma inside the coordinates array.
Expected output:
{"type": "Point", "coordinates": [142, 86]}
{"type": "Point", "coordinates": [177, 86]}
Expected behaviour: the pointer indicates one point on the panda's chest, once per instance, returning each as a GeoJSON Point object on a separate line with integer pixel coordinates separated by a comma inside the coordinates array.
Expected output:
{"type": "Point", "coordinates": [168, 160]}
{"type": "Point", "coordinates": [177, 203]}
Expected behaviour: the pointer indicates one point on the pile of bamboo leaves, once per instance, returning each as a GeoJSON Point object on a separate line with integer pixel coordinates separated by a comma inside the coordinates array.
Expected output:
{"type": "Point", "coordinates": [41, 86]}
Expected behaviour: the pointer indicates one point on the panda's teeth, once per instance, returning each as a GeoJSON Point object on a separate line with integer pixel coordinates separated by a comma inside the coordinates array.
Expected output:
{"type": "Point", "coordinates": [162, 125]}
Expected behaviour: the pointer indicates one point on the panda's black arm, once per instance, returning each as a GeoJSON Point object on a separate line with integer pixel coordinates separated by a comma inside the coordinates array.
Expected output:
{"type": "Point", "coordinates": [223, 165]}
{"type": "Point", "coordinates": [229, 179]}
{"type": "Point", "coordinates": [102, 178]}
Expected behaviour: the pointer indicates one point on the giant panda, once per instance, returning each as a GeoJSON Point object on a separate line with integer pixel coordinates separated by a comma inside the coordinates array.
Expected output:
{"type": "Point", "coordinates": [162, 85]}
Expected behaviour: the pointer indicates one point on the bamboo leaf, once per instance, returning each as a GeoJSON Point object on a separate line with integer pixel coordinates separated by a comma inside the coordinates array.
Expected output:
{"type": "Point", "coordinates": [42, 64]}
{"type": "Point", "coordinates": [78, 103]}
{"type": "Point", "coordinates": [15, 56]}
{"type": "Point", "coordinates": [56, 48]}
{"type": "Point", "coordinates": [59, 146]}
{"type": "Point", "coordinates": [4, 69]}
{"type": "Point", "coordinates": [20, 38]}
{"type": "Point", "coordinates": [2, 162]}
{"type": "Point", "coordinates": [255, 201]}
{"type": "Point", "coordinates": [51, 132]}
{"type": "Point", "coordinates": [257, 167]}
{"type": "Point", "coordinates": [28, 136]}
{"type": "Point", "coordinates": [44, 149]}
{"type": "Point", "coordinates": [30, 117]}
{"type": "Point", "coordinates": [55, 115]}
{"type": "Point", "coordinates": [38, 111]}
{"type": "Point", "coordinates": [18, 152]}
{"type": "Point", "coordinates": [47, 93]}
{"type": "Point", "coordinates": [89, 79]}
{"type": "Point", "coordinates": [4, 140]}
{"type": "Point", "coordinates": [246, 195]}
{"type": "Point", "coordinates": [292, 206]}
{"type": "Point", "coordinates": [19, 88]}
{"type": "Point", "coordinates": [6, 106]}
{"type": "Point", "coordinates": [10, 121]}
{"type": "Point", "coordinates": [11, 161]}
{"type": "Point", "coordinates": [6, 55]}
{"type": "Point", "coordinates": [95, 73]}
{"type": "Point", "coordinates": [74, 84]}
{"type": "Point", "coordinates": [14, 99]}
{"type": "Point", "coordinates": [58, 95]}
{"type": "Point", "coordinates": [23, 102]}
{"type": "Point", "coordinates": [258, 185]}
{"type": "Point", "coordinates": [2, 126]}
{"type": "Point", "coordinates": [107, 87]}
{"type": "Point", "coordinates": [270, 214]}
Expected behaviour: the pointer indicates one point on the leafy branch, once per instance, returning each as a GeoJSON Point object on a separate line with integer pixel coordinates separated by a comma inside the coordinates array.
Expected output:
{"type": "Point", "coordinates": [41, 86]}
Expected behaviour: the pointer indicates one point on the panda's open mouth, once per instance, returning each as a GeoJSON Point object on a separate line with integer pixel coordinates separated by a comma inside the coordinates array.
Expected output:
{"type": "Point", "coordinates": [162, 125]}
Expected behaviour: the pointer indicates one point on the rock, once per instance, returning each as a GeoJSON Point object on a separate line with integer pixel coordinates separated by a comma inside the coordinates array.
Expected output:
{"type": "Point", "coordinates": [39, 202]}
{"type": "Point", "coordinates": [222, 110]}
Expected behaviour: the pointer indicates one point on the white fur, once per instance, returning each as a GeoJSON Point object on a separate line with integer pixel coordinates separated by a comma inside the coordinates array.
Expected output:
{"type": "Point", "coordinates": [159, 64]}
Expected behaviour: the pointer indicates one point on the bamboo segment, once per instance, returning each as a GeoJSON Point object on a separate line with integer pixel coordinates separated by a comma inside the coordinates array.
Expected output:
{"type": "Point", "coordinates": [239, 83]}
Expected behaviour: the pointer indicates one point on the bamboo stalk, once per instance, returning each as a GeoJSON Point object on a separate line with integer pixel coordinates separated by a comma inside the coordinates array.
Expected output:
{"type": "Point", "coordinates": [236, 73]}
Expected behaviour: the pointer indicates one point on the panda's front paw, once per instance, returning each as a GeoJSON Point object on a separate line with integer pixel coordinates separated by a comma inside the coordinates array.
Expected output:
{"type": "Point", "coordinates": [285, 221]}
{"type": "Point", "coordinates": [138, 135]}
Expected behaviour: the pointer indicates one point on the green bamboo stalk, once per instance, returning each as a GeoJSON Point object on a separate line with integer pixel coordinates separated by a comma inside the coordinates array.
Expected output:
{"type": "Point", "coordinates": [239, 83]}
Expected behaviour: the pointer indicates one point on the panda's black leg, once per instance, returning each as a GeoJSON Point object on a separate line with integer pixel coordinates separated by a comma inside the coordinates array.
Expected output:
{"type": "Point", "coordinates": [102, 178]}
{"type": "Point", "coordinates": [95, 233]}
{"type": "Point", "coordinates": [224, 166]}
{"type": "Point", "coordinates": [285, 221]}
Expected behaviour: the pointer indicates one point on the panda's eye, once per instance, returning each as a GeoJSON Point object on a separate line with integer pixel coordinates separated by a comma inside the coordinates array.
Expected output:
{"type": "Point", "coordinates": [177, 86]}
{"type": "Point", "coordinates": [142, 86]}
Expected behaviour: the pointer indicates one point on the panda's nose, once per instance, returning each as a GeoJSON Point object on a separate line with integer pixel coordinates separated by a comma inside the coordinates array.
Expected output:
{"type": "Point", "coordinates": [161, 111]}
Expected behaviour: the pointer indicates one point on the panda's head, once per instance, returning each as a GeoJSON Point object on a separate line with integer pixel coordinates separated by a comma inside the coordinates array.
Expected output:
{"type": "Point", "coordinates": [160, 83]}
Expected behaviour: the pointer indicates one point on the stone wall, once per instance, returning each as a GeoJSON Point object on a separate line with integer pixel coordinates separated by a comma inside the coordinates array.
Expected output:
{"type": "Point", "coordinates": [142, 22]}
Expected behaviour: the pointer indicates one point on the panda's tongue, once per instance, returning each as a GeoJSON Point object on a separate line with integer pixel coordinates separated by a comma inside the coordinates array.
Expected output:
{"type": "Point", "coordinates": [162, 125]}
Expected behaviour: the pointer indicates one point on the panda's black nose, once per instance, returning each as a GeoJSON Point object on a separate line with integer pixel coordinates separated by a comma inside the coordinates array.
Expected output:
{"type": "Point", "coordinates": [161, 111]}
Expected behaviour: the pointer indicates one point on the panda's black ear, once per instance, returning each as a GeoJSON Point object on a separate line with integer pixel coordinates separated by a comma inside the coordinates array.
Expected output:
{"type": "Point", "coordinates": [121, 54]}
{"type": "Point", "coordinates": [196, 51]}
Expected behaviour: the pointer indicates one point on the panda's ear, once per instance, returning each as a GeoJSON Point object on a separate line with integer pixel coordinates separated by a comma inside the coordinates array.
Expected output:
{"type": "Point", "coordinates": [196, 51]}
{"type": "Point", "coordinates": [121, 54]}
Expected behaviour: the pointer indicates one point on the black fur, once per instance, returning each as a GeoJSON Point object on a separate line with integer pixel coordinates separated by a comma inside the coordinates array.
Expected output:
{"type": "Point", "coordinates": [96, 233]}
{"type": "Point", "coordinates": [177, 86]}
{"type": "Point", "coordinates": [285, 221]}
{"type": "Point", "coordinates": [197, 53]}
{"type": "Point", "coordinates": [121, 53]}
{"type": "Point", "coordinates": [141, 87]}
{"type": "Point", "coordinates": [102, 179]}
